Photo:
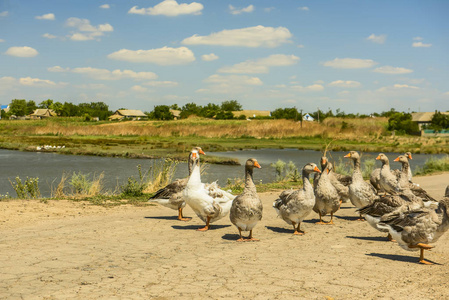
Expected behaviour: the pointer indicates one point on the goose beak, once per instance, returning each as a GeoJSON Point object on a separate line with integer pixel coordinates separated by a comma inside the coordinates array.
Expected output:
{"type": "Point", "coordinates": [397, 159]}
{"type": "Point", "coordinates": [348, 155]}
{"type": "Point", "coordinates": [316, 169]}
{"type": "Point", "coordinates": [378, 157]}
{"type": "Point", "coordinates": [256, 164]}
{"type": "Point", "coordinates": [201, 152]}
{"type": "Point", "coordinates": [410, 156]}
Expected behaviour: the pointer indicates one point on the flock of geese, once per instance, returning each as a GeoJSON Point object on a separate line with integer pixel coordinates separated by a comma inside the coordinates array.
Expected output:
{"type": "Point", "coordinates": [390, 202]}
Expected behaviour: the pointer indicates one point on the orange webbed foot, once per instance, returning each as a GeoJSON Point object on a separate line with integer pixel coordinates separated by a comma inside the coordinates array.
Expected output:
{"type": "Point", "coordinates": [299, 232]}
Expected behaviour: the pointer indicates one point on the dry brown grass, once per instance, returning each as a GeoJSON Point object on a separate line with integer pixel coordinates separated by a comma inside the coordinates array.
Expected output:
{"type": "Point", "coordinates": [331, 127]}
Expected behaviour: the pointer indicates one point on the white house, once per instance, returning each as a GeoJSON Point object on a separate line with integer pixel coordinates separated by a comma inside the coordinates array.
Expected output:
{"type": "Point", "coordinates": [307, 117]}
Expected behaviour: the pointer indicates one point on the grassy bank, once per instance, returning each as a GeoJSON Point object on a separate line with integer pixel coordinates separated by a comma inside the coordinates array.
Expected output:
{"type": "Point", "coordinates": [155, 139]}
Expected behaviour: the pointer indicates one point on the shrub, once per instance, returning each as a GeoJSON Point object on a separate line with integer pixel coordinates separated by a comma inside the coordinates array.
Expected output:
{"type": "Point", "coordinates": [27, 190]}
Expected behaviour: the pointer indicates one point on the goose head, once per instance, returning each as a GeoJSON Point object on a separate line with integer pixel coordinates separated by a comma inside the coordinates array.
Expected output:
{"type": "Point", "coordinates": [409, 155]}
{"type": "Point", "coordinates": [252, 163]}
{"type": "Point", "coordinates": [402, 159]}
{"type": "Point", "coordinates": [310, 168]}
{"type": "Point", "coordinates": [323, 162]}
{"type": "Point", "coordinates": [383, 158]}
{"type": "Point", "coordinates": [200, 151]}
{"type": "Point", "coordinates": [354, 155]}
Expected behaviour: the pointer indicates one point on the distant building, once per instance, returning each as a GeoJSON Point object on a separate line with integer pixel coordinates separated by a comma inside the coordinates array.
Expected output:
{"type": "Point", "coordinates": [251, 113]}
{"type": "Point", "coordinates": [5, 108]}
{"type": "Point", "coordinates": [307, 117]}
{"type": "Point", "coordinates": [42, 113]}
{"type": "Point", "coordinates": [424, 118]}
{"type": "Point", "coordinates": [128, 114]}
{"type": "Point", "coordinates": [176, 113]}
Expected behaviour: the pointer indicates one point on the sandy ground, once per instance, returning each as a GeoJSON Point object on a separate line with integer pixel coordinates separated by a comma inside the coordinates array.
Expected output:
{"type": "Point", "coordinates": [72, 250]}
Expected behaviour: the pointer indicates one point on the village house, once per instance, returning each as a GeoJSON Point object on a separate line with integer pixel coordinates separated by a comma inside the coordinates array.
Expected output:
{"type": "Point", "coordinates": [127, 114]}
{"type": "Point", "coordinates": [424, 118]}
{"type": "Point", "coordinates": [42, 113]}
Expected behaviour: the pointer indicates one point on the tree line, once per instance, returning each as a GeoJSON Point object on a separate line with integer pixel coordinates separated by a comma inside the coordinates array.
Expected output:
{"type": "Point", "coordinates": [399, 121]}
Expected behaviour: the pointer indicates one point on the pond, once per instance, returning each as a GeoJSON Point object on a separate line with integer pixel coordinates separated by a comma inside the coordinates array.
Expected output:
{"type": "Point", "coordinates": [49, 167]}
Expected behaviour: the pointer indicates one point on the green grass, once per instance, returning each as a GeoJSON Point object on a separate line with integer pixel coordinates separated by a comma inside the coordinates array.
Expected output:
{"type": "Point", "coordinates": [434, 165]}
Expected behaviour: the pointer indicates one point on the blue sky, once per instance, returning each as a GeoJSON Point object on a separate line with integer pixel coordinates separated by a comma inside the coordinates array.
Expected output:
{"type": "Point", "coordinates": [356, 56]}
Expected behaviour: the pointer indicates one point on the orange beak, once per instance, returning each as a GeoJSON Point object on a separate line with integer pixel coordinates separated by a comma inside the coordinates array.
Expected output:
{"type": "Point", "coordinates": [256, 164]}
{"type": "Point", "coordinates": [201, 152]}
{"type": "Point", "coordinates": [348, 155]}
{"type": "Point", "coordinates": [316, 169]}
{"type": "Point", "coordinates": [378, 157]}
{"type": "Point", "coordinates": [410, 156]}
{"type": "Point", "coordinates": [397, 159]}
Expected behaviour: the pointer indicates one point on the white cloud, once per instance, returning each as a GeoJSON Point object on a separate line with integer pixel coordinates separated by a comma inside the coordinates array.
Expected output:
{"type": "Point", "coordinates": [234, 79]}
{"type": "Point", "coordinates": [162, 83]}
{"type": "Point", "coordinates": [49, 17]}
{"type": "Point", "coordinates": [139, 89]}
{"type": "Point", "coordinates": [36, 82]}
{"type": "Point", "coordinates": [397, 87]}
{"type": "Point", "coordinates": [378, 39]}
{"type": "Point", "coordinates": [421, 45]}
{"type": "Point", "coordinates": [446, 94]}
{"type": "Point", "coordinates": [209, 57]}
{"type": "Point", "coordinates": [269, 9]}
{"type": "Point", "coordinates": [350, 63]}
{"type": "Point", "coordinates": [303, 8]}
{"type": "Point", "coordinates": [345, 84]}
{"type": "Point", "coordinates": [405, 86]}
{"type": "Point", "coordinates": [300, 46]}
{"type": "Point", "coordinates": [4, 13]}
{"type": "Point", "coordinates": [310, 88]}
{"type": "Point", "coordinates": [392, 70]}
{"type": "Point", "coordinates": [104, 74]}
{"type": "Point", "coordinates": [2, 40]}
{"type": "Point", "coordinates": [87, 31]}
{"type": "Point", "coordinates": [22, 51]}
{"type": "Point", "coordinates": [417, 38]}
{"type": "Point", "coordinates": [105, 6]}
{"type": "Point", "coordinates": [257, 36]}
{"type": "Point", "coordinates": [236, 11]}
{"type": "Point", "coordinates": [169, 8]}
{"type": "Point", "coordinates": [91, 86]}
{"type": "Point", "coordinates": [261, 65]}
{"type": "Point", "coordinates": [58, 69]}
{"type": "Point", "coordinates": [164, 56]}
{"type": "Point", "coordinates": [49, 36]}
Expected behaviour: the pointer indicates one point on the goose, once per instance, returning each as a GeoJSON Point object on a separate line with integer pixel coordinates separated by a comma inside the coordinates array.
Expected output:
{"type": "Point", "coordinates": [388, 181]}
{"type": "Point", "coordinates": [375, 175]}
{"type": "Point", "coordinates": [246, 209]}
{"type": "Point", "coordinates": [339, 181]}
{"type": "Point", "coordinates": [361, 193]}
{"type": "Point", "coordinates": [209, 202]}
{"type": "Point", "coordinates": [405, 184]}
{"type": "Point", "coordinates": [389, 204]}
{"type": "Point", "coordinates": [416, 229]}
{"type": "Point", "coordinates": [293, 206]}
{"type": "Point", "coordinates": [327, 199]}
{"type": "Point", "coordinates": [171, 195]}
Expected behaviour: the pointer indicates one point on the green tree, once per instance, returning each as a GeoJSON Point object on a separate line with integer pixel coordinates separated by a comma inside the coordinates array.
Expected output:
{"type": "Point", "coordinates": [161, 112]}
{"type": "Point", "coordinates": [190, 109]}
{"type": "Point", "coordinates": [209, 111]}
{"type": "Point", "coordinates": [31, 107]}
{"type": "Point", "coordinates": [224, 115]}
{"type": "Point", "coordinates": [402, 122]}
{"type": "Point", "coordinates": [18, 107]}
{"type": "Point", "coordinates": [286, 113]}
{"type": "Point", "coordinates": [439, 121]}
{"type": "Point", "coordinates": [231, 105]}
{"type": "Point", "coordinates": [46, 104]}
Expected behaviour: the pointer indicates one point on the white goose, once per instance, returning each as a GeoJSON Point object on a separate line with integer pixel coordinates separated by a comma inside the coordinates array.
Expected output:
{"type": "Point", "coordinates": [171, 195]}
{"type": "Point", "coordinates": [209, 202]}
